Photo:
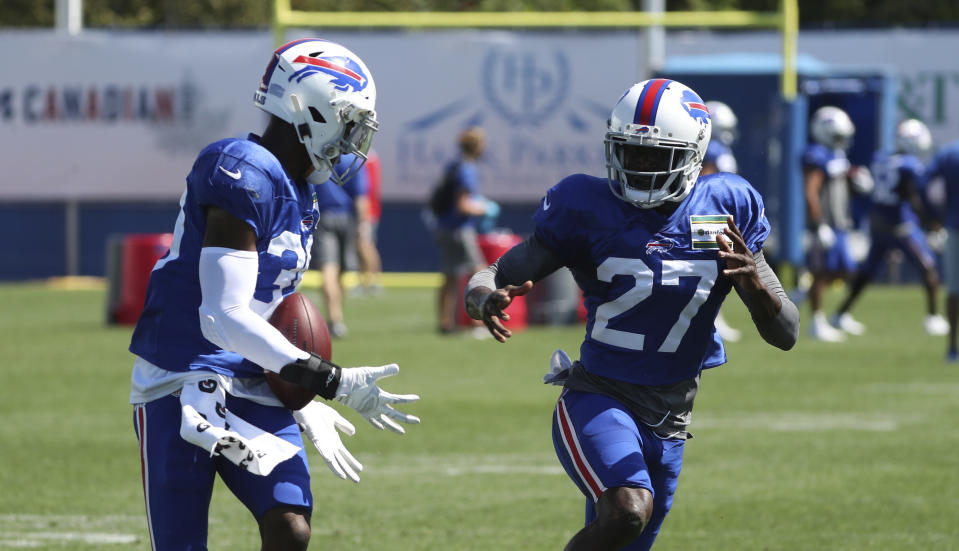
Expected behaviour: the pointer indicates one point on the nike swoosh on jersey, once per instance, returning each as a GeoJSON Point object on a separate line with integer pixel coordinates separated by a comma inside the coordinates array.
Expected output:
{"type": "Point", "coordinates": [235, 175]}
{"type": "Point", "coordinates": [546, 203]}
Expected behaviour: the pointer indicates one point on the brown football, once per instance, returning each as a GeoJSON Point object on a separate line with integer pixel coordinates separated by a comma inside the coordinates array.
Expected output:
{"type": "Point", "coordinates": [303, 325]}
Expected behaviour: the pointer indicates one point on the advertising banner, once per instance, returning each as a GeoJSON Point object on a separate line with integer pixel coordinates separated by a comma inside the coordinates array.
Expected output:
{"type": "Point", "coordinates": [108, 115]}
{"type": "Point", "coordinates": [120, 115]}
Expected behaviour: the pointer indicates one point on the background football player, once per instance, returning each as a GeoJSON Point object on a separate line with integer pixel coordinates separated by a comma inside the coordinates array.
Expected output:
{"type": "Point", "coordinates": [719, 158]}
{"type": "Point", "coordinates": [202, 406]}
{"type": "Point", "coordinates": [655, 249]}
{"type": "Point", "coordinates": [897, 210]}
{"type": "Point", "coordinates": [945, 165]}
{"type": "Point", "coordinates": [829, 179]}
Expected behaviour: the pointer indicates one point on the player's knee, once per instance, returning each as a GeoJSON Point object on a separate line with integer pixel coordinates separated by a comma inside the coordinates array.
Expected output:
{"type": "Point", "coordinates": [626, 512]}
{"type": "Point", "coordinates": [285, 530]}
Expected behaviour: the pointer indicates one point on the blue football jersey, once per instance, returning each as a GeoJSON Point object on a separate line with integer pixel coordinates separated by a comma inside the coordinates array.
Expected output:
{"type": "Point", "coordinates": [246, 180]}
{"type": "Point", "coordinates": [653, 284]}
{"type": "Point", "coordinates": [890, 173]}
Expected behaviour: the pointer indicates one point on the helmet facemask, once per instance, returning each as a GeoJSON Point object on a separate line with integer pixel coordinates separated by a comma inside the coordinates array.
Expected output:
{"type": "Point", "coordinates": [840, 138]}
{"type": "Point", "coordinates": [913, 138]}
{"type": "Point", "coordinates": [655, 142]}
{"type": "Point", "coordinates": [650, 174]}
{"type": "Point", "coordinates": [358, 127]}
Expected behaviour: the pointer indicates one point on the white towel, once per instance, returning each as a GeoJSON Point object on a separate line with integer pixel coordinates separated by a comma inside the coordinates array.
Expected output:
{"type": "Point", "coordinates": [560, 365]}
{"type": "Point", "coordinates": [208, 424]}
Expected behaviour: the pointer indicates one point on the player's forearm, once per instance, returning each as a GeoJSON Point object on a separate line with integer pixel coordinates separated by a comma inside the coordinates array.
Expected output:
{"type": "Point", "coordinates": [361, 207]}
{"type": "Point", "coordinates": [467, 205]}
{"type": "Point", "coordinates": [227, 283]}
{"type": "Point", "coordinates": [528, 261]}
{"type": "Point", "coordinates": [812, 185]}
{"type": "Point", "coordinates": [774, 315]}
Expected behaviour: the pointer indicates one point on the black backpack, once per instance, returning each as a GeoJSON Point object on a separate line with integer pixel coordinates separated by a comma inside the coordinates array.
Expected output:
{"type": "Point", "coordinates": [444, 194]}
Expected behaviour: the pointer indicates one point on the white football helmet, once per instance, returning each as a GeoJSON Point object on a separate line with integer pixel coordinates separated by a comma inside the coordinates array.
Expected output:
{"type": "Point", "coordinates": [655, 141]}
{"type": "Point", "coordinates": [724, 122]}
{"type": "Point", "coordinates": [327, 93]}
{"type": "Point", "coordinates": [913, 138]}
{"type": "Point", "coordinates": [832, 127]}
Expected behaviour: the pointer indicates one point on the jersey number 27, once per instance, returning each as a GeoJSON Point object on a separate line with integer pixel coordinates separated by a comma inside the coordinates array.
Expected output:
{"type": "Point", "coordinates": [705, 271]}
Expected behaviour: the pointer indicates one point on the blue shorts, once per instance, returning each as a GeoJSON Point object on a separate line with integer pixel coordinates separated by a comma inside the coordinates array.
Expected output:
{"type": "Point", "coordinates": [835, 259]}
{"type": "Point", "coordinates": [909, 239]}
{"type": "Point", "coordinates": [178, 476]}
{"type": "Point", "coordinates": [601, 446]}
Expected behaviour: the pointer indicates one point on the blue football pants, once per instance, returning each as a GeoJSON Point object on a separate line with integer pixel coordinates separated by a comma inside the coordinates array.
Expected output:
{"type": "Point", "coordinates": [178, 476]}
{"type": "Point", "coordinates": [601, 445]}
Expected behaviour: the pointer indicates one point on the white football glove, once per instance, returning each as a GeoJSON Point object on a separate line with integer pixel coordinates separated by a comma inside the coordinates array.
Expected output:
{"type": "Point", "coordinates": [826, 236]}
{"type": "Point", "coordinates": [359, 391]}
{"type": "Point", "coordinates": [861, 180]}
{"type": "Point", "coordinates": [937, 239]}
{"type": "Point", "coordinates": [319, 421]}
{"type": "Point", "coordinates": [559, 366]}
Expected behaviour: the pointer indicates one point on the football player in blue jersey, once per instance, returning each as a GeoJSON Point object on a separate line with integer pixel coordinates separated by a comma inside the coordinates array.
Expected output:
{"type": "Point", "coordinates": [945, 165]}
{"type": "Point", "coordinates": [897, 210]}
{"type": "Point", "coordinates": [655, 248]}
{"type": "Point", "coordinates": [202, 406]}
{"type": "Point", "coordinates": [719, 158]}
{"type": "Point", "coordinates": [829, 180]}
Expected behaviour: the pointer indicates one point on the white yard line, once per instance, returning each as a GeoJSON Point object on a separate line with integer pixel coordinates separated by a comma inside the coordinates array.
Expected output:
{"type": "Point", "coordinates": [802, 422]}
{"type": "Point", "coordinates": [34, 539]}
{"type": "Point", "coordinates": [457, 465]}
{"type": "Point", "coordinates": [28, 530]}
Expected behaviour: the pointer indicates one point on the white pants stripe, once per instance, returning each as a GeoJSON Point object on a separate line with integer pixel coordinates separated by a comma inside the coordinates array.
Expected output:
{"type": "Point", "coordinates": [571, 442]}
{"type": "Point", "coordinates": [141, 416]}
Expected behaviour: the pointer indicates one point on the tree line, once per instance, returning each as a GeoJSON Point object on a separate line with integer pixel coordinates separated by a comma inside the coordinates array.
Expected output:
{"type": "Point", "coordinates": [251, 14]}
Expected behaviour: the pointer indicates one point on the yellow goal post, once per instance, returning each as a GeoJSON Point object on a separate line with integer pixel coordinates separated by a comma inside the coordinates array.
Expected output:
{"type": "Point", "coordinates": [785, 20]}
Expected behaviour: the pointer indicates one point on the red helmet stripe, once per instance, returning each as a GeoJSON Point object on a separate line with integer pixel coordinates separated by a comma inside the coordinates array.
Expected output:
{"type": "Point", "coordinates": [649, 101]}
{"type": "Point", "coordinates": [324, 63]}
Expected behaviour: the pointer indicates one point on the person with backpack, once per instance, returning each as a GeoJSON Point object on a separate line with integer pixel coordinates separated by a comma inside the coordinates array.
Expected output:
{"type": "Point", "coordinates": [456, 203]}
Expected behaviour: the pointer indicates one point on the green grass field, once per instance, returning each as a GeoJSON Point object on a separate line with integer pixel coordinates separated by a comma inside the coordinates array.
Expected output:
{"type": "Point", "coordinates": [850, 446]}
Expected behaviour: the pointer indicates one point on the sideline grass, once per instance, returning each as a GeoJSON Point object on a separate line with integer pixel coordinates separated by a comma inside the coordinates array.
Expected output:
{"type": "Point", "coordinates": [846, 446]}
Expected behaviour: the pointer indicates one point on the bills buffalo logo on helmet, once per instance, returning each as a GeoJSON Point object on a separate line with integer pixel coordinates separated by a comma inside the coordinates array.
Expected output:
{"type": "Point", "coordinates": [661, 246]}
{"type": "Point", "coordinates": [207, 385]}
{"type": "Point", "coordinates": [346, 72]}
{"type": "Point", "coordinates": [695, 107]}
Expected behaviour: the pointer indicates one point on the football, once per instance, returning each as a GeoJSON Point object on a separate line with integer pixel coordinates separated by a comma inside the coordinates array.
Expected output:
{"type": "Point", "coordinates": [303, 325]}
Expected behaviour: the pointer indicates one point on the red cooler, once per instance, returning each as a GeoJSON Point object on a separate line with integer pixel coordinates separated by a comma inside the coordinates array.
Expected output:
{"type": "Point", "coordinates": [139, 252]}
{"type": "Point", "coordinates": [494, 245]}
